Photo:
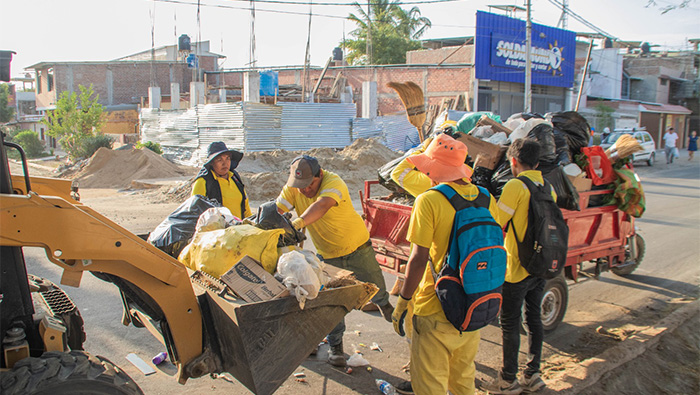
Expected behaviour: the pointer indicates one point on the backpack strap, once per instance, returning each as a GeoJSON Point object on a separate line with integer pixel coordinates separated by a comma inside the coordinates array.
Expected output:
{"type": "Point", "coordinates": [460, 203]}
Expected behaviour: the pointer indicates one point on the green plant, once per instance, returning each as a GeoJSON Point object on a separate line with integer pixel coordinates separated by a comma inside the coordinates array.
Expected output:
{"type": "Point", "coordinates": [390, 30]}
{"type": "Point", "coordinates": [75, 119]}
{"type": "Point", "coordinates": [155, 147]}
{"type": "Point", "coordinates": [30, 143]}
{"type": "Point", "coordinates": [6, 112]}
{"type": "Point", "coordinates": [89, 145]}
{"type": "Point", "coordinates": [604, 118]}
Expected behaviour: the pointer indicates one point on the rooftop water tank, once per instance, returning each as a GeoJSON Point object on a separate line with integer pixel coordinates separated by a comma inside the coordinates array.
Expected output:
{"type": "Point", "coordinates": [183, 43]}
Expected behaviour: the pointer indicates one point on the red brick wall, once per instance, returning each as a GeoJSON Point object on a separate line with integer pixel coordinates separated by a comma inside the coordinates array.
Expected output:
{"type": "Point", "coordinates": [447, 55]}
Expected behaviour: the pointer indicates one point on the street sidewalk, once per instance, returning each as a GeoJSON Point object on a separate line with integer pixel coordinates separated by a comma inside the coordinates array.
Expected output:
{"type": "Point", "coordinates": [577, 378]}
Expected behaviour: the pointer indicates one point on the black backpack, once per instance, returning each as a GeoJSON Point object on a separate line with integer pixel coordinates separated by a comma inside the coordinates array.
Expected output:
{"type": "Point", "coordinates": [543, 249]}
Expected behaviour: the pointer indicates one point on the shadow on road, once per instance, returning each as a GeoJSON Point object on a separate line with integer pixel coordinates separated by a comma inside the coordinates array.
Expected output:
{"type": "Point", "coordinates": [665, 287]}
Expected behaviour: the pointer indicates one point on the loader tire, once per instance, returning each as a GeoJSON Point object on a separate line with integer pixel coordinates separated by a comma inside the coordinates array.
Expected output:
{"type": "Point", "coordinates": [633, 262]}
{"type": "Point", "coordinates": [64, 373]}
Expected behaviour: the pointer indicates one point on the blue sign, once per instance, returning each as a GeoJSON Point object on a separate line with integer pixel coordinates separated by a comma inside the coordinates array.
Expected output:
{"type": "Point", "coordinates": [192, 61]}
{"type": "Point", "coordinates": [500, 51]}
{"type": "Point", "coordinates": [269, 83]}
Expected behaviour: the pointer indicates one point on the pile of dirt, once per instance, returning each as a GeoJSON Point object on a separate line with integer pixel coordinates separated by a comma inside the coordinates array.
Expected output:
{"type": "Point", "coordinates": [265, 173]}
{"type": "Point", "coordinates": [118, 168]}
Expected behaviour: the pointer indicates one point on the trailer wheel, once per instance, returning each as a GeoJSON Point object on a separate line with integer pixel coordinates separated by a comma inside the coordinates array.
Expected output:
{"type": "Point", "coordinates": [555, 298]}
{"type": "Point", "coordinates": [61, 373]}
{"type": "Point", "coordinates": [631, 262]}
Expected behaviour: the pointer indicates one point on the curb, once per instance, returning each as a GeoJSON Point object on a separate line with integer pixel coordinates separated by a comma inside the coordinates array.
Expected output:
{"type": "Point", "coordinates": [576, 379]}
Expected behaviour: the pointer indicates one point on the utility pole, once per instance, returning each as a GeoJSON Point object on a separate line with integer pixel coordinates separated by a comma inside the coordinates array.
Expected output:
{"type": "Point", "coordinates": [564, 18]}
{"type": "Point", "coordinates": [369, 33]}
{"type": "Point", "coordinates": [528, 61]}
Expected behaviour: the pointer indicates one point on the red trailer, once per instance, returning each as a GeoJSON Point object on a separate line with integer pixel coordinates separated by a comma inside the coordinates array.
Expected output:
{"type": "Point", "coordinates": [603, 236]}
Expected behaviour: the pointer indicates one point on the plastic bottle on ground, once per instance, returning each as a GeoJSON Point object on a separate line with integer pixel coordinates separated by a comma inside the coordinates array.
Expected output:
{"type": "Point", "coordinates": [158, 359]}
{"type": "Point", "coordinates": [385, 387]}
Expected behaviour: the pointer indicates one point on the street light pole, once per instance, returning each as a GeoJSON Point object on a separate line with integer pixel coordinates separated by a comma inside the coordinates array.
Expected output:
{"type": "Point", "coordinates": [528, 62]}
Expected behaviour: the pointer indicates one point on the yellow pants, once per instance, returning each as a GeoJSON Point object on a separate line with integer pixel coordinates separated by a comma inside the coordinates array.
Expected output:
{"type": "Point", "coordinates": [441, 357]}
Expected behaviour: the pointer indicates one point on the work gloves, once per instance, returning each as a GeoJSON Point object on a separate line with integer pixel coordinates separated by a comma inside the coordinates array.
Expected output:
{"type": "Point", "coordinates": [403, 308]}
{"type": "Point", "coordinates": [298, 223]}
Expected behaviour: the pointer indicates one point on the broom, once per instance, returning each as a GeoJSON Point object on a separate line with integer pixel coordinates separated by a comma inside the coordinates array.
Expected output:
{"type": "Point", "coordinates": [625, 146]}
{"type": "Point", "coordinates": [412, 98]}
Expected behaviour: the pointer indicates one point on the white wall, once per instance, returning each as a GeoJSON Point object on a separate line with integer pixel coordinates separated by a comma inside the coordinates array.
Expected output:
{"type": "Point", "coordinates": [605, 74]}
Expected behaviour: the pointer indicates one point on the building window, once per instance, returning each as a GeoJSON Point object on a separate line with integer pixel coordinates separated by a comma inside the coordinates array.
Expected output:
{"type": "Point", "coordinates": [38, 82]}
{"type": "Point", "coordinates": [49, 79]}
{"type": "Point", "coordinates": [664, 81]}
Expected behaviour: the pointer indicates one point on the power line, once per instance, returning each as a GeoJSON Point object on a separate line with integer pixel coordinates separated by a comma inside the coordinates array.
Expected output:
{"type": "Point", "coordinates": [349, 4]}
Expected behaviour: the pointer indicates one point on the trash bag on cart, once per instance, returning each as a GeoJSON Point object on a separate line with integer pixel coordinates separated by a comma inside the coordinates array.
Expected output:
{"type": "Point", "coordinates": [176, 231]}
{"type": "Point", "coordinates": [575, 128]}
{"type": "Point", "coordinates": [544, 135]}
{"type": "Point", "coordinates": [500, 177]}
{"type": "Point", "coordinates": [384, 172]}
{"type": "Point", "coordinates": [567, 195]}
{"type": "Point", "coordinates": [268, 218]}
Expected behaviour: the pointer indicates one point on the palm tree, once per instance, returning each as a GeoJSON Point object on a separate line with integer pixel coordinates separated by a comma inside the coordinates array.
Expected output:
{"type": "Point", "coordinates": [385, 23]}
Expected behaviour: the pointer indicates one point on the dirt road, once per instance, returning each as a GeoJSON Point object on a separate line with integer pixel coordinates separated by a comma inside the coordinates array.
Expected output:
{"type": "Point", "coordinates": [668, 278]}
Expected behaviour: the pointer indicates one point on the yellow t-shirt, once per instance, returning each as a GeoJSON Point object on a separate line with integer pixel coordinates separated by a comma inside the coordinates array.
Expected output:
{"type": "Point", "coordinates": [230, 194]}
{"type": "Point", "coordinates": [515, 203]}
{"type": "Point", "coordinates": [430, 227]}
{"type": "Point", "coordinates": [341, 230]}
{"type": "Point", "coordinates": [410, 179]}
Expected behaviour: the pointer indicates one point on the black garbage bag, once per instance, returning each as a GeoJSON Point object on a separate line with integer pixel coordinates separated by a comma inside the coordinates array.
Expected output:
{"type": "Point", "coordinates": [482, 177]}
{"type": "Point", "coordinates": [544, 135]}
{"type": "Point", "coordinates": [563, 154]}
{"type": "Point", "coordinates": [176, 231]}
{"type": "Point", "coordinates": [384, 172]}
{"type": "Point", "coordinates": [268, 218]}
{"type": "Point", "coordinates": [575, 128]}
{"type": "Point", "coordinates": [567, 195]}
{"type": "Point", "coordinates": [500, 177]}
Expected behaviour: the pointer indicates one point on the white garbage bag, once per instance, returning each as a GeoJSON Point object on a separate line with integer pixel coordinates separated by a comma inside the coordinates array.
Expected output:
{"type": "Point", "coordinates": [298, 276]}
{"type": "Point", "coordinates": [216, 218]}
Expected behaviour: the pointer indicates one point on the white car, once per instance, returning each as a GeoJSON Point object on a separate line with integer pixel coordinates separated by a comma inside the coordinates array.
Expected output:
{"type": "Point", "coordinates": [645, 140]}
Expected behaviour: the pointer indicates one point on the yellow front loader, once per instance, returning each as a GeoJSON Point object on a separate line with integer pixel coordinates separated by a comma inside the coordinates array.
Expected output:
{"type": "Point", "coordinates": [204, 328]}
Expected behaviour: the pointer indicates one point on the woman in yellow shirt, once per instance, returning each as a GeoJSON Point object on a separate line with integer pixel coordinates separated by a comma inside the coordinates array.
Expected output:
{"type": "Point", "coordinates": [219, 181]}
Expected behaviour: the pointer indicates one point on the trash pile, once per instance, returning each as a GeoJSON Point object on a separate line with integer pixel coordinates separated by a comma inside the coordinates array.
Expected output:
{"type": "Point", "coordinates": [566, 161]}
{"type": "Point", "coordinates": [257, 257]}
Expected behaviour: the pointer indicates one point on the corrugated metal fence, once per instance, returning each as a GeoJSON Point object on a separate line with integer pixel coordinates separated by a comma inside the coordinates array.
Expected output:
{"type": "Point", "coordinates": [244, 126]}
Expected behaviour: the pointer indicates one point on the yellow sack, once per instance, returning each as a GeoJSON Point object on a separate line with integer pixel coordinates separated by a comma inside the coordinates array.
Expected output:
{"type": "Point", "coordinates": [216, 251]}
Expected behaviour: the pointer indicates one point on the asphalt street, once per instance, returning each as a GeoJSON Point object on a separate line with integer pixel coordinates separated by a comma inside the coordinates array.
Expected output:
{"type": "Point", "coordinates": [668, 277]}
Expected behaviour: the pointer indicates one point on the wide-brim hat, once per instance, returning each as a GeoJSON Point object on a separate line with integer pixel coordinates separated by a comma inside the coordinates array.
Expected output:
{"type": "Point", "coordinates": [443, 160]}
{"type": "Point", "coordinates": [219, 147]}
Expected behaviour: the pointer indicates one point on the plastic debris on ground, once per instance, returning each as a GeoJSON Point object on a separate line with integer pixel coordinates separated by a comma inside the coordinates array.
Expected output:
{"type": "Point", "coordinates": [357, 360]}
{"type": "Point", "coordinates": [375, 347]}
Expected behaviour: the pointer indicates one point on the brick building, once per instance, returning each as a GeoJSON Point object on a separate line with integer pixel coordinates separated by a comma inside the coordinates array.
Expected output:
{"type": "Point", "coordinates": [122, 83]}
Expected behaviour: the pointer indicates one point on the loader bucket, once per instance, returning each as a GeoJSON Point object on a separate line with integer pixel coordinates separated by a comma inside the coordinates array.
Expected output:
{"type": "Point", "coordinates": [262, 343]}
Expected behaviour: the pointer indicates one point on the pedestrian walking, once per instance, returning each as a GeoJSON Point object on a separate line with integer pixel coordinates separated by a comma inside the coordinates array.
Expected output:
{"type": "Point", "coordinates": [670, 138]}
{"type": "Point", "coordinates": [692, 144]}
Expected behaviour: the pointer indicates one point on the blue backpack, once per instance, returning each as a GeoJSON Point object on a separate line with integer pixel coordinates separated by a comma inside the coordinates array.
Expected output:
{"type": "Point", "coordinates": [472, 275]}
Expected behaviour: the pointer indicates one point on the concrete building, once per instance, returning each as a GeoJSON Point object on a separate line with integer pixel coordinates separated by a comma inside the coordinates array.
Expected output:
{"type": "Point", "coordinates": [122, 84]}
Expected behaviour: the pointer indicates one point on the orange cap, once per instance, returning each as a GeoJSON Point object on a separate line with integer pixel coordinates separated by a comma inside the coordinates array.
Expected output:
{"type": "Point", "coordinates": [443, 160]}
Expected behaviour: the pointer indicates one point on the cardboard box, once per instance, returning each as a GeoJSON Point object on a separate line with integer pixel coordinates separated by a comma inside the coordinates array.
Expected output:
{"type": "Point", "coordinates": [484, 153]}
{"type": "Point", "coordinates": [582, 184]}
{"type": "Point", "coordinates": [251, 282]}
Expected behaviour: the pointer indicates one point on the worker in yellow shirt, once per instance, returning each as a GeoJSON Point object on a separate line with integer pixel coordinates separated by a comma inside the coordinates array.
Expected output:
{"type": "Point", "coordinates": [218, 180]}
{"type": "Point", "coordinates": [322, 201]}
{"type": "Point", "coordinates": [520, 286]}
{"type": "Point", "coordinates": [442, 358]}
